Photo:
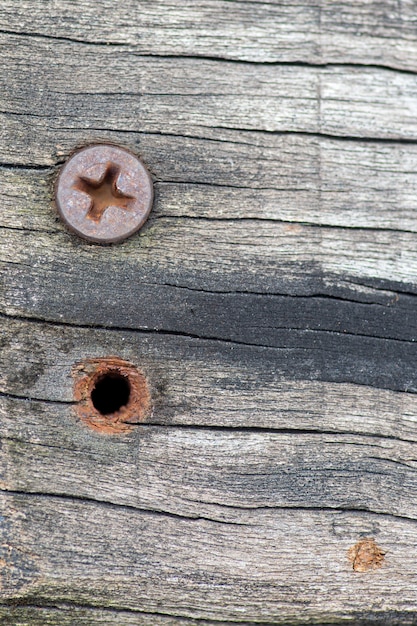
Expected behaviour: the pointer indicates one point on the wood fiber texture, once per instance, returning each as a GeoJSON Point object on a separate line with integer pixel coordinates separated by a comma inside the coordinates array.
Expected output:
{"type": "Point", "coordinates": [270, 300]}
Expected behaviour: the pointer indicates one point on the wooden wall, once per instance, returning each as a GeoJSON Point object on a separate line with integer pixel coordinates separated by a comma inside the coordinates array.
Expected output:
{"type": "Point", "coordinates": [270, 300]}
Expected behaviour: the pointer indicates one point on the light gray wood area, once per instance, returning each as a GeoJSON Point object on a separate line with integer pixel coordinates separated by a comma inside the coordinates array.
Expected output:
{"type": "Point", "coordinates": [68, 95]}
{"type": "Point", "coordinates": [253, 557]}
{"type": "Point", "coordinates": [328, 31]}
{"type": "Point", "coordinates": [270, 301]}
{"type": "Point", "coordinates": [228, 469]}
{"type": "Point", "coordinates": [69, 615]}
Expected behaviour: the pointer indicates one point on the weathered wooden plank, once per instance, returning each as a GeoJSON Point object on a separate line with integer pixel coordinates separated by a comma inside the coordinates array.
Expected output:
{"type": "Point", "coordinates": [226, 571]}
{"type": "Point", "coordinates": [79, 94]}
{"type": "Point", "coordinates": [226, 472]}
{"type": "Point", "coordinates": [296, 262]}
{"type": "Point", "coordinates": [68, 615]}
{"type": "Point", "coordinates": [363, 32]}
{"type": "Point", "coordinates": [293, 178]}
{"type": "Point", "coordinates": [235, 316]}
{"type": "Point", "coordinates": [212, 383]}
{"type": "Point", "coordinates": [247, 256]}
{"type": "Point", "coordinates": [270, 302]}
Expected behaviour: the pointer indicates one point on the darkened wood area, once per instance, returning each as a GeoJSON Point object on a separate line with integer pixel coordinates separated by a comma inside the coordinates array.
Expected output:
{"type": "Point", "coordinates": [270, 300]}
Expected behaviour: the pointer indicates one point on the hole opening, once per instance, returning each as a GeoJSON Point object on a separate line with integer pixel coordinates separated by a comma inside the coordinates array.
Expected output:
{"type": "Point", "coordinates": [110, 393]}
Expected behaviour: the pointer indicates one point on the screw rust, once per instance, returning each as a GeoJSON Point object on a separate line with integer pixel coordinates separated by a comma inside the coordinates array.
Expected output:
{"type": "Point", "coordinates": [104, 193]}
{"type": "Point", "coordinates": [366, 555]}
{"type": "Point", "coordinates": [138, 408]}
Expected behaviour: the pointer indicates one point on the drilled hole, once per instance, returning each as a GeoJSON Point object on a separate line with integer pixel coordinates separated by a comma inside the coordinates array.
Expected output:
{"type": "Point", "coordinates": [111, 393]}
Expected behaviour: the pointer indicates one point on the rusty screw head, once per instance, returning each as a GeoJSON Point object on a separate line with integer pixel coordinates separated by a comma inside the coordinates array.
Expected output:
{"type": "Point", "coordinates": [104, 193]}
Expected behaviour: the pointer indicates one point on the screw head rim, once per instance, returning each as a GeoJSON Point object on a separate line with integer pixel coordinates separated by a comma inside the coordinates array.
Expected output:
{"type": "Point", "coordinates": [131, 180]}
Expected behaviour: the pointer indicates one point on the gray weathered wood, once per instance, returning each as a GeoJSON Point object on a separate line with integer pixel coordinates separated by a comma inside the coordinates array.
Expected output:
{"type": "Point", "coordinates": [211, 382]}
{"type": "Point", "coordinates": [186, 96]}
{"type": "Point", "coordinates": [227, 472]}
{"type": "Point", "coordinates": [270, 301]}
{"type": "Point", "coordinates": [68, 615]}
{"type": "Point", "coordinates": [326, 31]}
{"type": "Point", "coordinates": [146, 570]}
{"type": "Point", "coordinates": [314, 180]}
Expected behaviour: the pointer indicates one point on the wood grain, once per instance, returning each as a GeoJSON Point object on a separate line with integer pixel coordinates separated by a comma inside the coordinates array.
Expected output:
{"type": "Point", "coordinates": [363, 32]}
{"type": "Point", "coordinates": [187, 96]}
{"type": "Point", "coordinates": [294, 178]}
{"type": "Point", "coordinates": [68, 615]}
{"type": "Point", "coordinates": [228, 471]}
{"type": "Point", "coordinates": [270, 301]}
{"type": "Point", "coordinates": [223, 558]}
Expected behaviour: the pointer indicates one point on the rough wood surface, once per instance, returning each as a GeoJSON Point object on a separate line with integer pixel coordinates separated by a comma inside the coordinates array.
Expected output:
{"type": "Point", "coordinates": [270, 300]}
{"type": "Point", "coordinates": [331, 31]}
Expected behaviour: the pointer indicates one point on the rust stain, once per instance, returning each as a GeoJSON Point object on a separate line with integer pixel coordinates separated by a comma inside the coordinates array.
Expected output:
{"type": "Point", "coordinates": [293, 228]}
{"type": "Point", "coordinates": [366, 555]}
{"type": "Point", "coordinates": [87, 373]}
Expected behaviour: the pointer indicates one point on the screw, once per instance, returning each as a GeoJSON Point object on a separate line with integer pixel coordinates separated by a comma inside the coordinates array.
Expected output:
{"type": "Point", "coordinates": [104, 193]}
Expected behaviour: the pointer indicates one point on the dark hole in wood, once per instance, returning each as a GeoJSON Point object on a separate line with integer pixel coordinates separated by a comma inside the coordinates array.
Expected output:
{"type": "Point", "coordinates": [110, 393]}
